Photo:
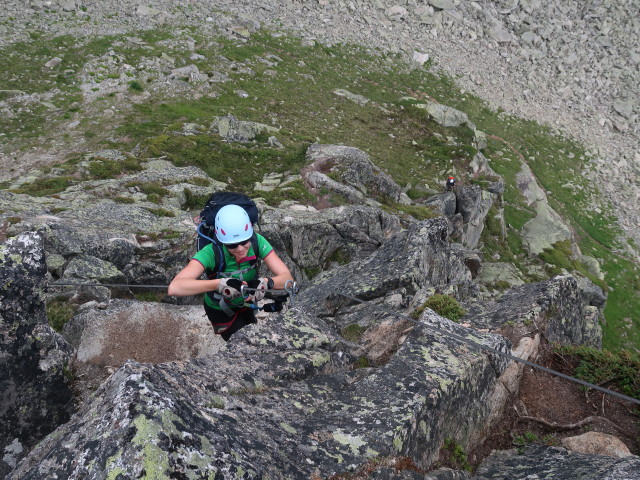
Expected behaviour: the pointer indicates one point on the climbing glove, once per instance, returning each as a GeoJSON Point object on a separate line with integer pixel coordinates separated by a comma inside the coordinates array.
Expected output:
{"type": "Point", "coordinates": [229, 287]}
{"type": "Point", "coordinates": [260, 284]}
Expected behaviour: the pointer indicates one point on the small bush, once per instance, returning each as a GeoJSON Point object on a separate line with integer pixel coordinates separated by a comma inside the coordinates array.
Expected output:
{"type": "Point", "coordinates": [600, 366]}
{"type": "Point", "coordinates": [45, 186]}
{"type": "Point", "coordinates": [453, 455]}
{"type": "Point", "coordinates": [135, 86]}
{"type": "Point", "coordinates": [201, 182]}
{"type": "Point", "coordinates": [103, 169]}
{"type": "Point", "coordinates": [59, 312]}
{"type": "Point", "coordinates": [124, 200]}
{"type": "Point", "coordinates": [148, 296]}
{"type": "Point", "coordinates": [194, 201]}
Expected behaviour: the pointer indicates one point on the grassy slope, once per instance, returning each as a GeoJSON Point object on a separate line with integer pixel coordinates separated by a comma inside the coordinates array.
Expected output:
{"type": "Point", "coordinates": [292, 87]}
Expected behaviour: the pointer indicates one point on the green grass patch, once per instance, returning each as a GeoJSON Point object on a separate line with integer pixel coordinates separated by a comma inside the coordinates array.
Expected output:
{"type": "Point", "coordinates": [444, 305]}
{"type": "Point", "coordinates": [353, 332]}
{"type": "Point", "coordinates": [294, 192]}
{"type": "Point", "coordinates": [59, 312]}
{"type": "Point", "coordinates": [148, 296]}
{"type": "Point", "coordinates": [104, 168]}
{"type": "Point", "coordinates": [419, 212]}
{"type": "Point", "coordinates": [161, 212]}
{"type": "Point", "coordinates": [43, 187]}
{"type": "Point", "coordinates": [561, 256]}
{"type": "Point", "coordinates": [241, 165]}
{"type": "Point", "coordinates": [125, 200]}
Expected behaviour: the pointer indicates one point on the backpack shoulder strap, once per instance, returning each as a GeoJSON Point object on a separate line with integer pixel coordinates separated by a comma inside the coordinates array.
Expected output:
{"type": "Point", "coordinates": [220, 261]}
{"type": "Point", "coordinates": [256, 248]}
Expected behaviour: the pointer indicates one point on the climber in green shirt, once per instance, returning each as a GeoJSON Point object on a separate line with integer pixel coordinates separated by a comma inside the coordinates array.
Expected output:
{"type": "Point", "coordinates": [223, 302]}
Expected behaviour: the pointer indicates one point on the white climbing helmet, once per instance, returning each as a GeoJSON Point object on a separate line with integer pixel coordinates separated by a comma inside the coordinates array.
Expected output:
{"type": "Point", "coordinates": [233, 224]}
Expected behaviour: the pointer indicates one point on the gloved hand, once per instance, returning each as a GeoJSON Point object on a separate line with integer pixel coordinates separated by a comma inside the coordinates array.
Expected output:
{"type": "Point", "coordinates": [260, 284]}
{"type": "Point", "coordinates": [230, 287]}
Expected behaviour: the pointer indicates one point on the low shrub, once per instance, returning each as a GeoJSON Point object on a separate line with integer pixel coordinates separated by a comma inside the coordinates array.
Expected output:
{"type": "Point", "coordinates": [444, 305]}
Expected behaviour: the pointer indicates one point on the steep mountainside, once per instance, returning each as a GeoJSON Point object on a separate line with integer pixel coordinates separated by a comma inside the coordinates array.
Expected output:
{"type": "Point", "coordinates": [394, 360]}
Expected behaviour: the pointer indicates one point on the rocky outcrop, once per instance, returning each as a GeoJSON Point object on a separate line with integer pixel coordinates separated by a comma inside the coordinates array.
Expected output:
{"type": "Point", "coordinates": [295, 370]}
{"type": "Point", "coordinates": [36, 395]}
{"type": "Point", "coordinates": [291, 388]}
{"type": "Point", "coordinates": [473, 203]}
{"type": "Point", "coordinates": [561, 307]}
{"type": "Point", "coordinates": [111, 230]}
{"type": "Point", "coordinates": [286, 389]}
{"type": "Point", "coordinates": [320, 240]}
{"type": "Point", "coordinates": [354, 169]}
{"type": "Point", "coordinates": [554, 462]}
{"type": "Point", "coordinates": [155, 333]}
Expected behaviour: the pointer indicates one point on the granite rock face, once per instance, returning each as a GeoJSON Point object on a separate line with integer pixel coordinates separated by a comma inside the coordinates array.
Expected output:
{"type": "Point", "coordinates": [567, 311]}
{"type": "Point", "coordinates": [36, 396]}
{"type": "Point", "coordinates": [356, 170]}
{"type": "Point", "coordinates": [284, 399]}
{"type": "Point", "coordinates": [554, 462]}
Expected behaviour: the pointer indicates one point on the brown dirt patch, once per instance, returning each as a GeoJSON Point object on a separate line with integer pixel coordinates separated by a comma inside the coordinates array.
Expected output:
{"type": "Point", "coordinates": [561, 402]}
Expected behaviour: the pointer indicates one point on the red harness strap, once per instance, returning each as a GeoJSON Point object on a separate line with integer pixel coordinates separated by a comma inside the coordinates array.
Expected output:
{"type": "Point", "coordinates": [219, 328]}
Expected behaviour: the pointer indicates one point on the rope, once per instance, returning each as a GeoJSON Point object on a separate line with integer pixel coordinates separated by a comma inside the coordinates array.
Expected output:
{"type": "Point", "coordinates": [459, 338]}
{"type": "Point", "coordinates": [106, 285]}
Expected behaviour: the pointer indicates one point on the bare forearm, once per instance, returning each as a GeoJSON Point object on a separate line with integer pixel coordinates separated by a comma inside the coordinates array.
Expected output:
{"type": "Point", "coordinates": [182, 287]}
{"type": "Point", "coordinates": [280, 281]}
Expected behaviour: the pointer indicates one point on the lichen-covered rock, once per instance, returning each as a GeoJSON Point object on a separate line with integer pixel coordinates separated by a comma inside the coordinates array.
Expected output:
{"type": "Point", "coordinates": [560, 306]}
{"type": "Point", "coordinates": [444, 203]}
{"type": "Point", "coordinates": [342, 233]}
{"type": "Point", "coordinates": [281, 402]}
{"type": "Point", "coordinates": [355, 169]}
{"type": "Point", "coordinates": [553, 462]}
{"type": "Point", "coordinates": [234, 130]}
{"type": "Point", "coordinates": [90, 235]}
{"type": "Point", "coordinates": [36, 395]}
{"type": "Point", "coordinates": [282, 399]}
{"type": "Point", "coordinates": [410, 260]}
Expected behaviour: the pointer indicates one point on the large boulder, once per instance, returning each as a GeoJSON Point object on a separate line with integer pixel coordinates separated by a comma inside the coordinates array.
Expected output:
{"type": "Point", "coordinates": [562, 307]}
{"type": "Point", "coordinates": [35, 385]}
{"type": "Point", "coordinates": [143, 331]}
{"type": "Point", "coordinates": [553, 462]}
{"type": "Point", "coordinates": [353, 169]}
{"type": "Point", "coordinates": [411, 260]}
{"type": "Point", "coordinates": [474, 204]}
{"type": "Point", "coordinates": [234, 130]}
{"type": "Point", "coordinates": [547, 227]}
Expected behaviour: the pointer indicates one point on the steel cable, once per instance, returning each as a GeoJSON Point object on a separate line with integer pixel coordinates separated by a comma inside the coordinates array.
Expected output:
{"type": "Point", "coordinates": [409, 319]}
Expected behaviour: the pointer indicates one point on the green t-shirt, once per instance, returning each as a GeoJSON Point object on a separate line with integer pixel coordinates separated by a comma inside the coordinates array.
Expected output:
{"type": "Point", "coordinates": [207, 258]}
